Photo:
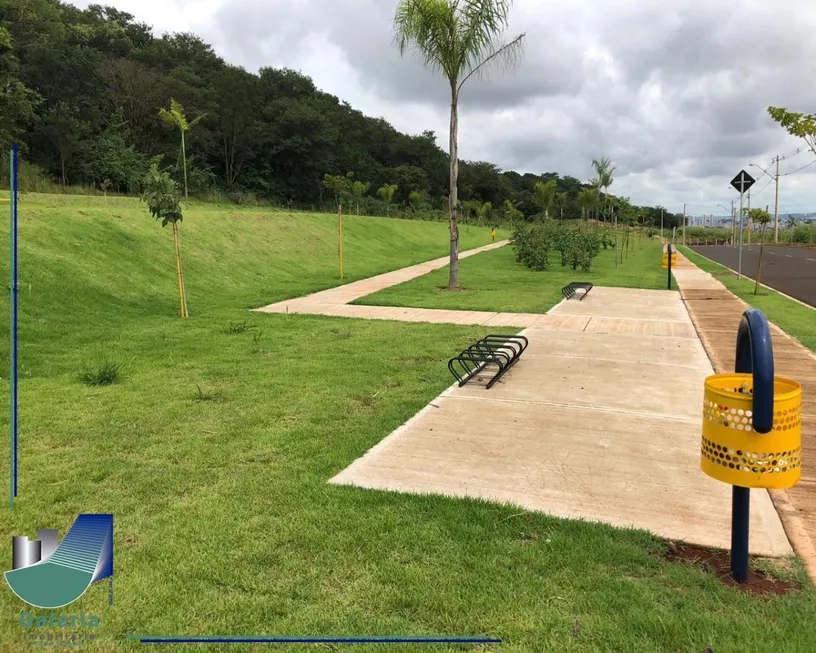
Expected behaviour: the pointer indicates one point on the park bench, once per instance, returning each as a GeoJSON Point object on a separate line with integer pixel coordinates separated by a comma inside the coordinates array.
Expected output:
{"type": "Point", "coordinates": [578, 289]}
{"type": "Point", "coordinates": [501, 351]}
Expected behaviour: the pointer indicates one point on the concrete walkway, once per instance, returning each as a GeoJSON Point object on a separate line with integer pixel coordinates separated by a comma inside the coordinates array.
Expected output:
{"type": "Point", "coordinates": [647, 320]}
{"type": "Point", "coordinates": [326, 302]}
{"type": "Point", "coordinates": [599, 420]}
{"type": "Point", "coordinates": [716, 314]}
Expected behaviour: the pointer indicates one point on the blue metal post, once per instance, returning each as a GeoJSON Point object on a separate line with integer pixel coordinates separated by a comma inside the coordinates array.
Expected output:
{"type": "Point", "coordinates": [670, 261]}
{"type": "Point", "coordinates": [13, 324]}
{"type": "Point", "coordinates": [754, 356]}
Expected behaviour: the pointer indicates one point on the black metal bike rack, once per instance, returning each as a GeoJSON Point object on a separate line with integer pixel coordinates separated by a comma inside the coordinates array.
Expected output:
{"type": "Point", "coordinates": [572, 289]}
{"type": "Point", "coordinates": [501, 351]}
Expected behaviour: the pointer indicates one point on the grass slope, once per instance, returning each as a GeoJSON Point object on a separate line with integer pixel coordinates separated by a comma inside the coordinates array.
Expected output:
{"type": "Point", "coordinates": [790, 316]}
{"type": "Point", "coordinates": [494, 281]}
{"type": "Point", "coordinates": [214, 448]}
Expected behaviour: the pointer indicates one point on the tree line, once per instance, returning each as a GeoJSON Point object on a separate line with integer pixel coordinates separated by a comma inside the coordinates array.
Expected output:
{"type": "Point", "coordinates": [94, 98]}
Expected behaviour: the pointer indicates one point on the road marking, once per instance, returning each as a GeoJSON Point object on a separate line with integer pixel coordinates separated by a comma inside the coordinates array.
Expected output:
{"type": "Point", "coordinates": [812, 259]}
{"type": "Point", "coordinates": [788, 256]}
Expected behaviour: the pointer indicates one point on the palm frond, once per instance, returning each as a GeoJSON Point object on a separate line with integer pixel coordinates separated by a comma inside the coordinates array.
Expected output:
{"type": "Point", "coordinates": [425, 26]}
{"type": "Point", "coordinates": [507, 55]}
{"type": "Point", "coordinates": [480, 23]}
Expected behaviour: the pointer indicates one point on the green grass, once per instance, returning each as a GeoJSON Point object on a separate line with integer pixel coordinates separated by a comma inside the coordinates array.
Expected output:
{"type": "Point", "coordinates": [214, 448]}
{"type": "Point", "coordinates": [790, 316]}
{"type": "Point", "coordinates": [494, 281]}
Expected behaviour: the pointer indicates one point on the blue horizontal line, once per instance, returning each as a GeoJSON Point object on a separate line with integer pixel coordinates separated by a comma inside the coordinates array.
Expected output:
{"type": "Point", "coordinates": [314, 640]}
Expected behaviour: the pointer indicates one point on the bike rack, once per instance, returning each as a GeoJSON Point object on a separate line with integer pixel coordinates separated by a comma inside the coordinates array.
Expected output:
{"type": "Point", "coordinates": [572, 289]}
{"type": "Point", "coordinates": [501, 351]}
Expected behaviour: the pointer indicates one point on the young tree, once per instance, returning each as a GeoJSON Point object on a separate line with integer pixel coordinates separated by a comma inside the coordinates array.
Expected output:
{"type": "Point", "coordinates": [763, 218]}
{"type": "Point", "coordinates": [511, 212]}
{"type": "Point", "coordinates": [386, 194]}
{"type": "Point", "coordinates": [162, 198]}
{"type": "Point", "coordinates": [359, 189]}
{"type": "Point", "coordinates": [484, 211]}
{"type": "Point", "coordinates": [175, 117]}
{"type": "Point", "coordinates": [458, 38]}
{"type": "Point", "coordinates": [544, 195]}
{"type": "Point", "coordinates": [341, 187]}
{"type": "Point", "coordinates": [802, 125]}
{"type": "Point", "coordinates": [418, 200]}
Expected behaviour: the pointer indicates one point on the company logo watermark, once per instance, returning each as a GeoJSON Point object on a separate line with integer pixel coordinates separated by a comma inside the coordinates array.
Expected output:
{"type": "Point", "coordinates": [58, 629]}
{"type": "Point", "coordinates": [47, 573]}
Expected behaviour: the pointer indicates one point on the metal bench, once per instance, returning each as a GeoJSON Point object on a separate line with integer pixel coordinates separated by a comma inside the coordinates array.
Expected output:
{"type": "Point", "coordinates": [501, 351]}
{"type": "Point", "coordinates": [573, 290]}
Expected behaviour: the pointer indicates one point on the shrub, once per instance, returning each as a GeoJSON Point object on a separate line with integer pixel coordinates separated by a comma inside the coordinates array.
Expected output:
{"type": "Point", "coordinates": [607, 241]}
{"type": "Point", "coordinates": [801, 235]}
{"type": "Point", "coordinates": [533, 246]}
{"type": "Point", "coordinates": [578, 249]}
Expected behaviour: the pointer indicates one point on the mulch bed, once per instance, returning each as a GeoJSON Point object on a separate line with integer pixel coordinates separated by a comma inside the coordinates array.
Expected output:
{"type": "Point", "coordinates": [719, 563]}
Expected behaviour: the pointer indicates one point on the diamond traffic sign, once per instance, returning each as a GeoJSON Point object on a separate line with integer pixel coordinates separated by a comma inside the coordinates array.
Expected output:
{"type": "Point", "coordinates": [743, 181]}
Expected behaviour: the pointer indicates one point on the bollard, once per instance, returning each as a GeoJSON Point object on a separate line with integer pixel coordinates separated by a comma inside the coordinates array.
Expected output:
{"type": "Point", "coordinates": [752, 429]}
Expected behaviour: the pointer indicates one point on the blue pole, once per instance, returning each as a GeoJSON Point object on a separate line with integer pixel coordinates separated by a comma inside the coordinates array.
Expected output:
{"type": "Point", "coordinates": [754, 356]}
{"type": "Point", "coordinates": [13, 325]}
{"type": "Point", "coordinates": [16, 152]}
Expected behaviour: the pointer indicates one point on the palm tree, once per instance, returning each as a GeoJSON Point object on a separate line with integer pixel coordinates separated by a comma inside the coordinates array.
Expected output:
{"type": "Point", "coordinates": [176, 118]}
{"type": "Point", "coordinates": [605, 171]}
{"type": "Point", "coordinates": [544, 195]}
{"type": "Point", "coordinates": [458, 38]}
{"type": "Point", "coordinates": [587, 200]}
{"type": "Point", "coordinates": [595, 184]}
{"type": "Point", "coordinates": [386, 194]}
{"type": "Point", "coordinates": [359, 189]}
{"type": "Point", "coordinates": [560, 202]}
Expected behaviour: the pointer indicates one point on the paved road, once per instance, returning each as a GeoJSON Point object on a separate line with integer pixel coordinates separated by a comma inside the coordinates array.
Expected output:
{"type": "Point", "coordinates": [791, 270]}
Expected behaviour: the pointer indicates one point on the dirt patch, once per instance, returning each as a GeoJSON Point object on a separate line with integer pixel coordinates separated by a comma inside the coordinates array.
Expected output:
{"type": "Point", "coordinates": [719, 563]}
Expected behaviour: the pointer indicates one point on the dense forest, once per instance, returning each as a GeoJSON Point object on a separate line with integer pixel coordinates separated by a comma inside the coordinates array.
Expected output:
{"type": "Point", "coordinates": [84, 90]}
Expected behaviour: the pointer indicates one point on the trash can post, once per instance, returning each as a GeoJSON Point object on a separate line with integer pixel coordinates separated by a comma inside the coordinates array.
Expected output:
{"type": "Point", "coordinates": [670, 262]}
{"type": "Point", "coordinates": [754, 356]}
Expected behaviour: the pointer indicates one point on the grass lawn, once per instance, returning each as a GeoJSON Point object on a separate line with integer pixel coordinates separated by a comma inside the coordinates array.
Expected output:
{"type": "Point", "coordinates": [793, 318]}
{"type": "Point", "coordinates": [494, 281]}
{"type": "Point", "coordinates": [214, 448]}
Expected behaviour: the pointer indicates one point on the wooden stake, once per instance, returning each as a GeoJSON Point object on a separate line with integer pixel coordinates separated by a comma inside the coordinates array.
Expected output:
{"type": "Point", "coordinates": [182, 302]}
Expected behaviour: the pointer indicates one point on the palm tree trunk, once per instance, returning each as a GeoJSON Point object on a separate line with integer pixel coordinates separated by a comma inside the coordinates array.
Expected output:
{"type": "Point", "coordinates": [453, 199]}
{"type": "Point", "coordinates": [184, 164]}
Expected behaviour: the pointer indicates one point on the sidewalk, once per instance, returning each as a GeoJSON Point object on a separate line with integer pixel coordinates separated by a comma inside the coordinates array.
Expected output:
{"type": "Point", "coordinates": [716, 314]}
{"type": "Point", "coordinates": [601, 423]}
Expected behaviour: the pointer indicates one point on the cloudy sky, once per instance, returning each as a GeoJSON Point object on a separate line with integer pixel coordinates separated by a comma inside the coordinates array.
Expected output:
{"type": "Point", "coordinates": [674, 91]}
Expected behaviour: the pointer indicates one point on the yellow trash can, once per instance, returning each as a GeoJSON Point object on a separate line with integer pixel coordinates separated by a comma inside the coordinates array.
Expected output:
{"type": "Point", "coordinates": [665, 263]}
{"type": "Point", "coordinates": [733, 452]}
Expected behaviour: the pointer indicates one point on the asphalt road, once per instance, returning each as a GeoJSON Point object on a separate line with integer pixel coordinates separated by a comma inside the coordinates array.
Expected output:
{"type": "Point", "coordinates": [791, 270]}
